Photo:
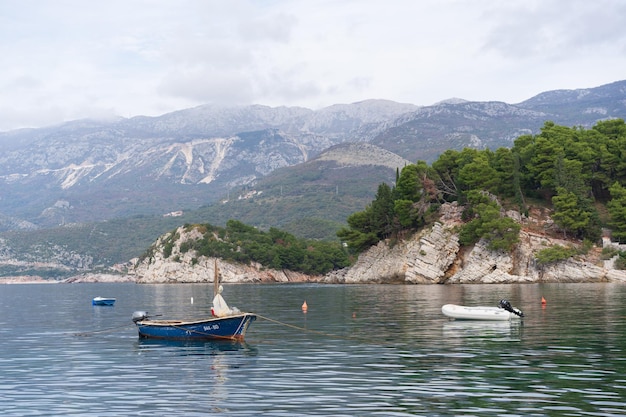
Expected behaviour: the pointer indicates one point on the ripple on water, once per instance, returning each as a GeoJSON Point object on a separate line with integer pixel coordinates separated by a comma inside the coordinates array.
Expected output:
{"type": "Point", "coordinates": [418, 363]}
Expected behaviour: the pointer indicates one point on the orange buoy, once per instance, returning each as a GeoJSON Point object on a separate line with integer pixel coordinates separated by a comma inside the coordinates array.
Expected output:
{"type": "Point", "coordinates": [305, 307]}
{"type": "Point", "coordinates": [543, 301]}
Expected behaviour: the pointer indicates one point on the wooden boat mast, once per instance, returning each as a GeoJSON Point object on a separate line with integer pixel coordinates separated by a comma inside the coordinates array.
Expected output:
{"type": "Point", "coordinates": [216, 279]}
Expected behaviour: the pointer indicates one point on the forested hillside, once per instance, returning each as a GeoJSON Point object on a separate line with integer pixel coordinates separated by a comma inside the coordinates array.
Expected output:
{"type": "Point", "coordinates": [579, 173]}
{"type": "Point", "coordinates": [245, 244]}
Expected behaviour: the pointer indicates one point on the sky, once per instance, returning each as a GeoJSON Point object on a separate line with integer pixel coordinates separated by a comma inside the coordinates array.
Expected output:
{"type": "Point", "coordinates": [63, 60]}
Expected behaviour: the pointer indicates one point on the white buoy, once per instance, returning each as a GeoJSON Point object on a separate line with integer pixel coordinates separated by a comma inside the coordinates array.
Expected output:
{"type": "Point", "coordinates": [191, 300]}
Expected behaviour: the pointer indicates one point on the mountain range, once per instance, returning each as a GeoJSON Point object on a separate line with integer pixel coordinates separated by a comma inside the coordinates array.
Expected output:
{"type": "Point", "coordinates": [283, 166]}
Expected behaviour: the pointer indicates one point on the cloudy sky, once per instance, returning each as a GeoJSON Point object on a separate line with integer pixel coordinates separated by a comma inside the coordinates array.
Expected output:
{"type": "Point", "coordinates": [69, 59]}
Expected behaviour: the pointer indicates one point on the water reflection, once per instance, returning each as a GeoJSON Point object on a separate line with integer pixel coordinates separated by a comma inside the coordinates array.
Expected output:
{"type": "Point", "coordinates": [191, 347]}
{"type": "Point", "coordinates": [467, 329]}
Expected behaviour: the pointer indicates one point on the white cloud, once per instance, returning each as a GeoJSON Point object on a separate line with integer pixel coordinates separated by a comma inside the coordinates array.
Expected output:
{"type": "Point", "coordinates": [71, 59]}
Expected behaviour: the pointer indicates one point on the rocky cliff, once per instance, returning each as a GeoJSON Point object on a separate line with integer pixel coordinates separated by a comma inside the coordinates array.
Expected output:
{"type": "Point", "coordinates": [432, 256]}
{"type": "Point", "coordinates": [187, 267]}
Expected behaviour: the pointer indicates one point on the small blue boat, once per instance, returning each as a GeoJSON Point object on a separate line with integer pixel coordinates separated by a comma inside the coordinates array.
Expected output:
{"type": "Point", "coordinates": [232, 327]}
{"type": "Point", "coordinates": [103, 301]}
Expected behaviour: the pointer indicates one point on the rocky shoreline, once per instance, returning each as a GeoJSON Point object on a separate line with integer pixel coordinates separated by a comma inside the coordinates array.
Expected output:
{"type": "Point", "coordinates": [81, 278]}
{"type": "Point", "coordinates": [432, 256]}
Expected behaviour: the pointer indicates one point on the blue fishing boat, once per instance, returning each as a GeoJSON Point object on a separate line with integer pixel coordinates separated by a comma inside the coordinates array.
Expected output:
{"type": "Point", "coordinates": [103, 301]}
{"type": "Point", "coordinates": [232, 327]}
{"type": "Point", "coordinates": [225, 324]}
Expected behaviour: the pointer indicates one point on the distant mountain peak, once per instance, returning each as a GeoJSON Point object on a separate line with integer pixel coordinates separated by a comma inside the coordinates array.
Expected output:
{"type": "Point", "coordinates": [453, 100]}
{"type": "Point", "coordinates": [355, 154]}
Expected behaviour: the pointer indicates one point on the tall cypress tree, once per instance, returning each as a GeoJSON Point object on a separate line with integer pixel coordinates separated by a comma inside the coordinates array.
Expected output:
{"type": "Point", "coordinates": [382, 211]}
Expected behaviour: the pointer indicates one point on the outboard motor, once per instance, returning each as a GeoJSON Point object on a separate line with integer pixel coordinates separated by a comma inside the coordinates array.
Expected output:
{"type": "Point", "coordinates": [139, 316]}
{"type": "Point", "coordinates": [505, 304]}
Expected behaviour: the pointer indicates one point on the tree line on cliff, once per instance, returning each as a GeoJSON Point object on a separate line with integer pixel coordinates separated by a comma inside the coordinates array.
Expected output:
{"type": "Point", "coordinates": [579, 173]}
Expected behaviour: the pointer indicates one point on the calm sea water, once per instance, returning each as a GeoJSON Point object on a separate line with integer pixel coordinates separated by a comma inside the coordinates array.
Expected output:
{"type": "Point", "coordinates": [363, 350]}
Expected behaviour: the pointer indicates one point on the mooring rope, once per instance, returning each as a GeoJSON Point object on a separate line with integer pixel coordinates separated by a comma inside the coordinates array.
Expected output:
{"type": "Point", "coordinates": [304, 329]}
{"type": "Point", "coordinates": [111, 329]}
{"type": "Point", "coordinates": [259, 316]}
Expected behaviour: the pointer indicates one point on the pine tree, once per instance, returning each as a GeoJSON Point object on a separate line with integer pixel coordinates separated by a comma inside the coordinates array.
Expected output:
{"type": "Point", "coordinates": [617, 211]}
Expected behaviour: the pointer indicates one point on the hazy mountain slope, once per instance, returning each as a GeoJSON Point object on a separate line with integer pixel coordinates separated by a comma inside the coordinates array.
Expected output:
{"type": "Point", "coordinates": [582, 106]}
{"type": "Point", "coordinates": [312, 199]}
{"type": "Point", "coordinates": [426, 133]}
{"type": "Point", "coordinates": [88, 170]}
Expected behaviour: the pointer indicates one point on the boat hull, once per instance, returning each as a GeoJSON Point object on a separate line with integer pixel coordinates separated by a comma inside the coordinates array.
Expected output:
{"type": "Point", "coordinates": [220, 328]}
{"type": "Point", "coordinates": [100, 301]}
{"type": "Point", "coordinates": [476, 313]}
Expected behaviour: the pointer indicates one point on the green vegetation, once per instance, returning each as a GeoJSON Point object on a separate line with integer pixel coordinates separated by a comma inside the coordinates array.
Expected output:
{"type": "Point", "coordinates": [310, 200]}
{"type": "Point", "coordinates": [620, 262]}
{"type": "Point", "coordinates": [488, 223]}
{"type": "Point", "coordinates": [609, 252]}
{"type": "Point", "coordinates": [274, 249]}
{"type": "Point", "coordinates": [617, 211]}
{"type": "Point", "coordinates": [572, 170]}
{"type": "Point", "coordinates": [555, 253]}
{"type": "Point", "coordinates": [105, 243]}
